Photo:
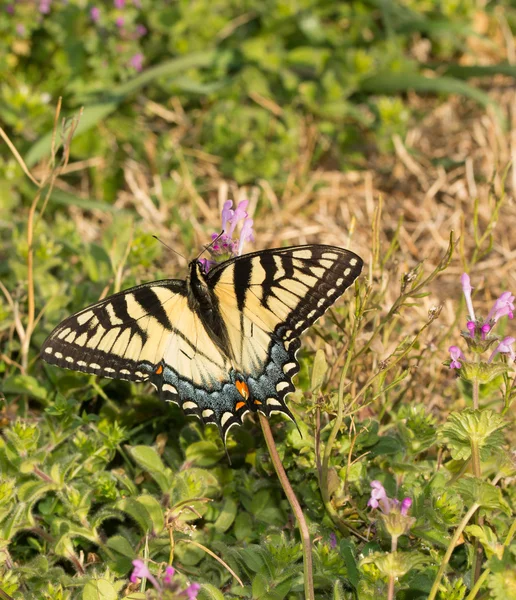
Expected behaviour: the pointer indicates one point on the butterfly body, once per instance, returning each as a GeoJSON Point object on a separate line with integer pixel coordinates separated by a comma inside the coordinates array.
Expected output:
{"type": "Point", "coordinates": [219, 344]}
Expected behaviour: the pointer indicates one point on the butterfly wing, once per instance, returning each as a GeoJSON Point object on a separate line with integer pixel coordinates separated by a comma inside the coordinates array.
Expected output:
{"type": "Point", "coordinates": [267, 299]}
{"type": "Point", "coordinates": [146, 333]}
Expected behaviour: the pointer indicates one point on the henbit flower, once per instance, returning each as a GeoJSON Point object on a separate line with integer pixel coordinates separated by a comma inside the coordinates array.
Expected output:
{"type": "Point", "coordinates": [246, 235]}
{"type": "Point", "coordinates": [406, 503]}
{"type": "Point", "coordinates": [504, 305]}
{"type": "Point", "coordinates": [141, 571]}
{"type": "Point", "coordinates": [141, 30]}
{"type": "Point", "coordinates": [379, 497]}
{"type": "Point", "coordinates": [137, 61]}
{"type": "Point", "coordinates": [95, 13]}
{"type": "Point", "coordinates": [9, 9]}
{"type": "Point", "coordinates": [119, 3]}
{"type": "Point", "coordinates": [471, 326]}
{"type": "Point", "coordinates": [505, 347]}
{"type": "Point", "coordinates": [44, 6]}
{"type": "Point", "coordinates": [227, 214]}
{"type": "Point", "coordinates": [119, 22]}
{"type": "Point", "coordinates": [169, 574]}
{"type": "Point", "coordinates": [239, 215]}
{"type": "Point", "coordinates": [456, 354]}
{"type": "Point", "coordinates": [192, 590]}
{"type": "Point", "coordinates": [333, 540]}
{"type": "Point", "coordinates": [466, 288]}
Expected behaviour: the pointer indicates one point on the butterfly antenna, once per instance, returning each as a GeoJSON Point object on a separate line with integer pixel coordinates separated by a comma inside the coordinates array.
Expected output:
{"type": "Point", "coordinates": [209, 245]}
{"type": "Point", "coordinates": [167, 246]}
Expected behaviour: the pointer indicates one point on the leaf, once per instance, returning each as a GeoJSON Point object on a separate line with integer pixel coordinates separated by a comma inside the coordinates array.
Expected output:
{"type": "Point", "coordinates": [24, 384]}
{"type": "Point", "coordinates": [393, 83]}
{"type": "Point", "coordinates": [138, 512]}
{"type": "Point", "coordinates": [209, 592]}
{"type": "Point", "coordinates": [99, 589]}
{"type": "Point", "coordinates": [149, 460]}
{"type": "Point", "coordinates": [479, 427]}
{"type": "Point", "coordinates": [204, 453]}
{"type": "Point", "coordinates": [227, 516]}
{"type": "Point", "coordinates": [488, 539]}
{"type": "Point", "coordinates": [319, 370]}
{"type": "Point", "coordinates": [155, 511]}
{"type": "Point", "coordinates": [487, 495]}
{"type": "Point", "coordinates": [347, 551]}
{"type": "Point", "coordinates": [121, 545]}
{"type": "Point", "coordinates": [94, 113]}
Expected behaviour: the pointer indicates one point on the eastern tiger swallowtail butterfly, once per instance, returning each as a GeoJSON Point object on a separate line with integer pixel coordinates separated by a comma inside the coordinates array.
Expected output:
{"type": "Point", "coordinates": [220, 343]}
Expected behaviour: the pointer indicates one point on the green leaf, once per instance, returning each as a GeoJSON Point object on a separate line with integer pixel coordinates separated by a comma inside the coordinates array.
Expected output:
{"type": "Point", "coordinates": [204, 453]}
{"type": "Point", "coordinates": [209, 592]}
{"type": "Point", "coordinates": [487, 537]}
{"type": "Point", "coordinates": [138, 512]}
{"type": "Point", "coordinates": [24, 384]}
{"type": "Point", "coordinates": [479, 427]}
{"type": "Point", "coordinates": [480, 492]}
{"type": "Point", "coordinates": [155, 511]}
{"type": "Point", "coordinates": [347, 551]}
{"type": "Point", "coordinates": [149, 460]}
{"type": "Point", "coordinates": [99, 589]}
{"type": "Point", "coordinates": [121, 545]}
{"type": "Point", "coordinates": [96, 112]}
{"type": "Point", "coordinates": [319, 370]}
{"type": "Point", "coordinates": [394, 83]}
{"type": "Point", "coordinates": [227, 516]}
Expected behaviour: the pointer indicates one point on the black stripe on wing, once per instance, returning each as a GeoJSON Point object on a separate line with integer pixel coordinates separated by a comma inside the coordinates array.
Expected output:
{"type": "Point", "coordinates": [108, 338]}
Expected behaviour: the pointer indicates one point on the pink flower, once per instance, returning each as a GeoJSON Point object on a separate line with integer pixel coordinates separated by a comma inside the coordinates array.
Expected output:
{"type": "Point", "coordinates": [119, 22]}
{"type": "Point", "coordinates": [95, 14]}
{"type": "Point", "coordinates": [466, 288]}
{"type": "Point", "coordinates": [137, 62]}
{"type": "Point", "coordinates": [505, 347]}
{"type": "Point", "coordinates": [119, 3]}
{"type": "Point", "coordinates": [141, 571]}
{"type": "Point", "coordinates": [456, 354]}
{"type": "Point", "coordinates": [504, 305]}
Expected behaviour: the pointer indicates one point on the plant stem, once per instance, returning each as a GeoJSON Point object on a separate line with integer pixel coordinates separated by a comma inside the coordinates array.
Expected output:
{"type": "Point", "coordinates": [451, 546]}
{"type": "Point", "coordinates": [476, 388]}
{"type": "Point", "coordinates": [390, 589]}
{"type": "Point", "coordinates": [474, 590]}
{"type": "Point", "coordinates": [296, 507]}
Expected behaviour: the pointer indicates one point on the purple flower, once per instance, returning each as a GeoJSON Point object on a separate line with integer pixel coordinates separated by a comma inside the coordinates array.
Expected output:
{"type": "Point", "coordinates": [119, 22]}
{"type": "Point", "coordinates": [504, 305]}
{"type": "Point", "coordinates": [95, 14]}
{"type": "Point", "coordinates": [9, 9]}
{"type": "Point", "coordinates": [44, 6]}
{"type": "Point", "coordinates": [141, 30]}
{"type": "Point", "coordinates": [379, 499]}
{"type": "Point", "coordinates": [119, 3]}
{"type": "Point", "coordinates": [466, 288]}
{"type": "Point", "coordinates": [406, 503]}
{"type": "Point", "coordinates": [223, 246]}
{"type": "Point", "coordinates": [192, 590]}
{"type": "Point", "coordinates": [141, 571]}
{"type": "Point", "coordinates": [137, 61]}
{"type": "Point", "coordinates": [456, 354]}
{"type": "Point", "coordinates": [169, 573]}
{"type": "Point", "coordinates": [471, 326]}
{"type": "Point", "coordinates": [505, 347]}
{"type": "Point", "coordinates": [333, 540]}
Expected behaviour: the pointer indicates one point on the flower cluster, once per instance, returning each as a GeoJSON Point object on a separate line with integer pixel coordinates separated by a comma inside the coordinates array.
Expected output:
{"type": "Point", "coordinates": [223, 245]}
{"type": "Point", "coordinates": [393, 512]}
{"type": "Point", "coordinates": [167, 588]}
{"type": "Point", "coordinates": [479, 335]}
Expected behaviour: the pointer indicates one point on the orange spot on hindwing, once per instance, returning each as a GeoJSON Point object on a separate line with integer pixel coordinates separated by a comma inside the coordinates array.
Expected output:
{"type": "Point", "coordinates": [240, 405]}
{"type": "Point", "coordinates": [243, 390]}
{"type": "Point", "coordinates": [159, 370]}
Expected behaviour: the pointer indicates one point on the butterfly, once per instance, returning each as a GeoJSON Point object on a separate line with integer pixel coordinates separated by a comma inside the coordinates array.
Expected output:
{"type": "Point", "coordinates": [219, 344]}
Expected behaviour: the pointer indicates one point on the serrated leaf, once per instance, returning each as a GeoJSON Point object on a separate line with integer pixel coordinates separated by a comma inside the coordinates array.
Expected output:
{"type": "Point", "coordinates": [488, 539]}
{"type": "Point", "coordinates": [99, 589]}
{"type": "Point", "coordinates": [481, 492]}
{"type": "Point", "coordinates": [479, 427]}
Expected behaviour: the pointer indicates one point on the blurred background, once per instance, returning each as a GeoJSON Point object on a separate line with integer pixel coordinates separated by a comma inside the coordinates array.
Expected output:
{"type": "Point", "coordinates": [377, 125]}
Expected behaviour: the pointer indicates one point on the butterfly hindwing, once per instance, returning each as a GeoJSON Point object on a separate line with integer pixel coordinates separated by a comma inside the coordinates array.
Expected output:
{"type": "Point", "coordinates": [267, 299]}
